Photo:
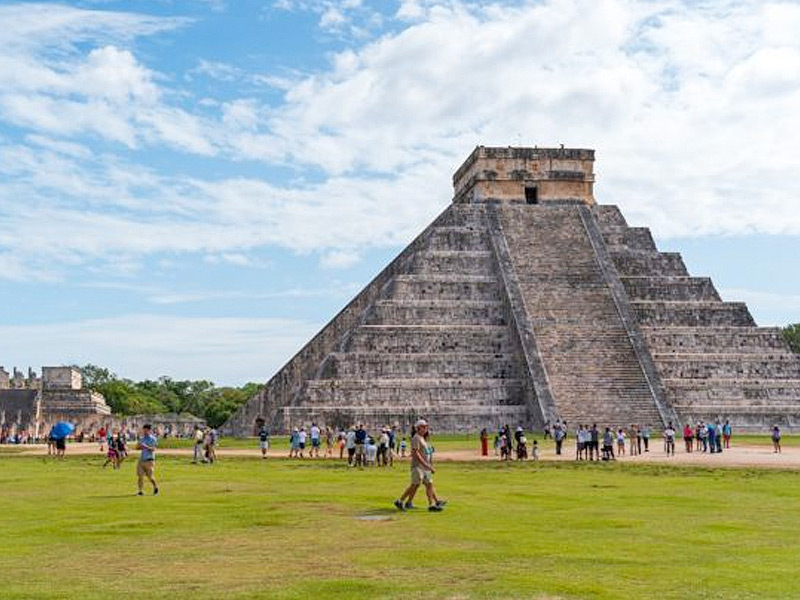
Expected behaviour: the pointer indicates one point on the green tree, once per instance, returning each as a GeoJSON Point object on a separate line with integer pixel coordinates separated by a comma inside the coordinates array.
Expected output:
{"type": "Point", "coordinates": [200, 398]}
{"type": "Point", "coordinates": [791, 333]}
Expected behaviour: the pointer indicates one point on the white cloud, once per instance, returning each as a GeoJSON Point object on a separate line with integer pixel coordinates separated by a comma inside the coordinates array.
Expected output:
{"type": "Point", "coordinates": [339, 259]}
{"type": "Point", "coordinates": [143, 346]}
{"type": "Point", "coordinates": [689, 106]}
{"type": "Point", "coordinates": [51, 84]}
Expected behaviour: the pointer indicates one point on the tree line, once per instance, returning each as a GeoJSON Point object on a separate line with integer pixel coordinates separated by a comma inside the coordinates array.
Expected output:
{"type": "Point", "coordinates": [791, 333]}
{"type": "Point", "coordinates": [165, 395]}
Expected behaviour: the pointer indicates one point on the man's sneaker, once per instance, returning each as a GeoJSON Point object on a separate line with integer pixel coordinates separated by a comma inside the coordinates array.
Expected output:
{"type": "Point", "coordinates": [441, 503]}
{"type": "Point", "coordinates": [435, 508]}
{"type": "Point", "coordinates": [409, 506]}
{"type": "Point", "coordinates": [140, 493]}
{"type": "Point", "coordinates": [155, 491]}
{"type": "Point", "coordinates": [398, 505]}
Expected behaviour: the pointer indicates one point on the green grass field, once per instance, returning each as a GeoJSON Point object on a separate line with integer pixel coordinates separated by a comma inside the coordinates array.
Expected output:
{"type": "Point", "coordinates": [246, 528]}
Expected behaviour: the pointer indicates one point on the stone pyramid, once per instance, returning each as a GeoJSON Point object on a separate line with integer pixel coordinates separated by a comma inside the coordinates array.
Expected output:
{"type": "Point", "coordinates": [526, 302]}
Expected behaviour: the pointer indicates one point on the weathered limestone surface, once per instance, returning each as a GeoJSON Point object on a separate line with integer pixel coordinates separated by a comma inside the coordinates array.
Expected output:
{"type": "Point", "coordinates": [524, 301]}
{"type": "Point", "coordinates": [714, 363]}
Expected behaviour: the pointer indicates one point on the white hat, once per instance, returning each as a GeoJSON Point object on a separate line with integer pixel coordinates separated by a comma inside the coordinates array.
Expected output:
{"type": "Point", "coordinates": [420, 423]}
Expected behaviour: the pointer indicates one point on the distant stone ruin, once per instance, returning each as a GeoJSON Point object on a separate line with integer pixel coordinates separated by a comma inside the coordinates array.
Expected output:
{"type": "Point", "coordinates": [33, 404]}
{"type": "Point", "coordinates": [526, 302]}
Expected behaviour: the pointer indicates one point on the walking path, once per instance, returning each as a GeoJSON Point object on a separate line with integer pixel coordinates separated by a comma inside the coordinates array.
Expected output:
{"type": "Point", "coordinates": [741, 455]}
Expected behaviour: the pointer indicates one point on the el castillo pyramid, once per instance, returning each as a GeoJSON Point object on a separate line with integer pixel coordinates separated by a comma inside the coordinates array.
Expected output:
{"type": "Point", "coordinates": [524, 302]}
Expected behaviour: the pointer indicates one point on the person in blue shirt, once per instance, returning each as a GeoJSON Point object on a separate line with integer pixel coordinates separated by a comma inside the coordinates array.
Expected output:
{"type": "Point", "coordinates": [147, 459]}
{"type": "Point", "coordinates": [726, 434]}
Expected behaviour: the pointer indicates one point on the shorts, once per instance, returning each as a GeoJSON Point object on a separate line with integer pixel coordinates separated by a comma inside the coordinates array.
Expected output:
{"type": "Point", "coordinates": [301, 445]}
{"type": "Point", "coordinates": [314, 443]}
{"type": "Point", "coordinates": [112, 454]}
{"type": "Point", "coordinates": [145, 467]}
{"type": "Point", "coordinates": [420, 475]}
{"type": "Point", "coordinates": [359, 449]}
{"type": "Point", "coordinates": [263, 445]}
{"type": "Point", "coordinates": [61, 444]}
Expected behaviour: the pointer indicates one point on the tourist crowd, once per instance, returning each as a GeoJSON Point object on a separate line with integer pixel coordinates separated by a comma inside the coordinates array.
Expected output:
{"type": "Point", "coordinates": [357, 445]}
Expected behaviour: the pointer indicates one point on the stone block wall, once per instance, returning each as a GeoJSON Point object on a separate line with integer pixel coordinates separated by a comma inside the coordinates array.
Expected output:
{"type": "Point", "coordinates": [714, 362]}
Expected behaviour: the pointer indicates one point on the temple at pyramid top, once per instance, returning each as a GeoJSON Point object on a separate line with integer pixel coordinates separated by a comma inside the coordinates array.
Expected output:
{"type": "Point", "coordinates": [530, 175]}
{"type": "Point", "coordinates": [524, 302]}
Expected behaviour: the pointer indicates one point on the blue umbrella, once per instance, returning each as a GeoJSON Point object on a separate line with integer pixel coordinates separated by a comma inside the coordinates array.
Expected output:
{"type": "Point", "coordinates": [62, 430]}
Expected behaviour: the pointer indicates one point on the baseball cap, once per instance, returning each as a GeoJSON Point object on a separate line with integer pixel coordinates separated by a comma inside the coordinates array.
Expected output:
{"type": "Point", "coordinates": [420, 423]}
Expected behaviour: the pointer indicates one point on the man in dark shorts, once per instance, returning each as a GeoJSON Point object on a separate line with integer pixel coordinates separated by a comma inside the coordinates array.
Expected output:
{"type": "Point", "coordinates": [147, 459]}
{"type": "Point", "coordinates": [594, 443]}
{"type": "Point", "coordinates": [61, 446]}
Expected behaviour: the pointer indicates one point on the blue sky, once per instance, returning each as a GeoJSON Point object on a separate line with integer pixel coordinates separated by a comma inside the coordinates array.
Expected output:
{"type": "Point", "coordinates": [193, 189]}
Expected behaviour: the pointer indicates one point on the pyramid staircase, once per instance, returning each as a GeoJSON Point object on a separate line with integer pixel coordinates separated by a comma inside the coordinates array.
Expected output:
{"type": "Point", "coordinates": [713, 362]}
{"type": "Point", "coordinates": [526, 302]}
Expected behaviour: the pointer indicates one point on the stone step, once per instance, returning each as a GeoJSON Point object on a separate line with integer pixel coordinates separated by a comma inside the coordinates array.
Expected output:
{"type": "Point", "coordinates": [715, 339]}
{"type": "Point", "coordinates": [629, 238]}
{"type": "Point", "coordinates": [707, 366]}
{"type": "Point", "coordinates": [459, 238]}
{"type": "Point", "coordinates": [378, 365]}
{"type": "Point", "coordinates": [648, 264]}
{"type": "Point", "coordinates": [445, 287]}
{"type": "Point", "coordinates": [463, 215]}
{"type": "Point", "coordinates": [744, 390]}
{"type": "Point", "coordinates": [699, 289]}
{"type": "Point", "coordinates": [391, 312]}
{"type": "Point", "coordinates": [454, 261]}
{"type": "Point", "coordinates": [451, 418]}
{"type": "Point", "coordinates": [445, 339]}
{"type": "Point", "coordinates": [693, 314]}
{"type": "Point", "coordinates": [467, 391]}
{"type": "Point", "coordinates": [608, 216]}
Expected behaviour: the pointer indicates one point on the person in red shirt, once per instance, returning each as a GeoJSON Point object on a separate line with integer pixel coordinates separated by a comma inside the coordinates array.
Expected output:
{"type": "Point", "coordinates": [688, 436]}
{"type": "Point", "coordinates": [101, 437]}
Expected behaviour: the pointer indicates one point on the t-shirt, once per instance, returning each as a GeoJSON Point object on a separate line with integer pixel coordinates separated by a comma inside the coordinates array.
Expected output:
{"type": "Point", "coordinates": [314, 432]}
{"type": "Point", "coordinates": [418, 443]}
{"type": "Point", "coordinates": [198, 436]}
{"type": "Point", "coordinates": [301, 437]}
{"type": "Point", "coordinates": [147, 453]}
{"type": "Point", "coordinates": [263, 435]}
{"type": "Point", "coordinates": [350, 439]}
{"type": "Point", "coordinates": [361, 436]}
{"type": "Point", "coordinates": [669, 434]}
